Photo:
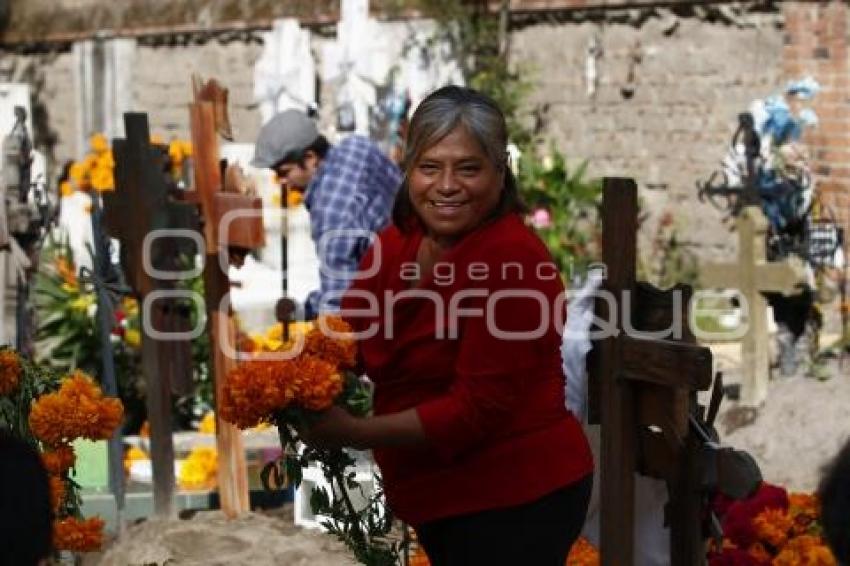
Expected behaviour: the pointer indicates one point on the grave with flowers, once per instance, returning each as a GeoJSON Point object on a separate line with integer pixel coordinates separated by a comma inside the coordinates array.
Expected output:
{"type": "Point", "coordinates": [53, 411]}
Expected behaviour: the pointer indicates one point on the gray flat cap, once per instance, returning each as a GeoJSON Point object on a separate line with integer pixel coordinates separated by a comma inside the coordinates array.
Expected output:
{"type": "Point", "coordinates": [285, 135]}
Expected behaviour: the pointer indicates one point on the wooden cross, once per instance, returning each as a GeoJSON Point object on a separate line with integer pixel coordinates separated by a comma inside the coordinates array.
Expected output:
{"type": "Point", "coordinates": [644, 390]}
{"type": "Point", "coordinates": [139, 205]}
{"type": "Point", "coordinates": [752, 274]}
{"type": "Point", "coordinates": [208, 115]}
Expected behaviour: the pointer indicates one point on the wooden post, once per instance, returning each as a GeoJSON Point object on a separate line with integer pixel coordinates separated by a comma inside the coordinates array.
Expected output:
{"type": "Point", "coordinates": [617, 409]}
{"type": "Point", "coordinates": [139, 205]}
{"type": "Point", "coordinates": [208, 117]}
{"type": "Point", "coordinates": [752, 275]}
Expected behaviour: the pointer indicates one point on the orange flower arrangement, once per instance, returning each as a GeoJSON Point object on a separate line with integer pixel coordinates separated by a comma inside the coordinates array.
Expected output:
{"type": "Point", "coordinates": [77, 410]}
{"type": "Point", "coordinates": [772, 526]}
{"type": "Point", "coordinates": [775, 528]}
{"type": "Point", "coordinates": [58, 460]}
{"type": "Point", "coordinates": [312, 380]}
{"type": "Point", "coordinates": [51, 411]}
{"type": "Point", "coordinates": [10, 371]}
{"type": "Point", "coordinates": [78, 535]}
{"type": "Point", "coordinates": [335, 346]}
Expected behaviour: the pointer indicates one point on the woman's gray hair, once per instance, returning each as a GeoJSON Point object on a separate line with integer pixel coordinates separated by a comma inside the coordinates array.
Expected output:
{"type": "Point", "coordinates": [436, 117]}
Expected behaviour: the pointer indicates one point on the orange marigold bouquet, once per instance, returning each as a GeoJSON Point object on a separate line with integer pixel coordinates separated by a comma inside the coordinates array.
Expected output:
{"type": "Point", "coordinates": [51, 410]}
{"type": "Point", "coordinates": [286, 381]}
{"type": "Point", "coordinates": [771, 528]}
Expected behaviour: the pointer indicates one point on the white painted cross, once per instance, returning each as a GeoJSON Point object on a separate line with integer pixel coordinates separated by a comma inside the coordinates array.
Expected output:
{"type": "Point", "coordinates": [752, 274]}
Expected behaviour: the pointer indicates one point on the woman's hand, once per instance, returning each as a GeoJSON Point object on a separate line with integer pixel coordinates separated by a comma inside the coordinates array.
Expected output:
{"type": "Point", "coordinates": [333, 428]}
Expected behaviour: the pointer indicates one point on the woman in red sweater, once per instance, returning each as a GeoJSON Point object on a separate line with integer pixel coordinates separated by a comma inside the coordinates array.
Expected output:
{"type": "Point", "coordinates": [457, 307]}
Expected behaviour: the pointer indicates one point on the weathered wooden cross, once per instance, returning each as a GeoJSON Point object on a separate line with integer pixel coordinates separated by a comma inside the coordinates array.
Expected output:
{"type": "Point", "coordinates": [752, 274]}
{"type": "Point", "coordinates": [139, 206]}
{"type": "Point", "coordinates": [223, 233]}
{"type": "Point", "coordinates": [644, 376]}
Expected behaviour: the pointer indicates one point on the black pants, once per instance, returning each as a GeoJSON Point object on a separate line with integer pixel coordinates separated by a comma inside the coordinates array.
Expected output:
{"type": "Point", "coordinates": [539, 533]}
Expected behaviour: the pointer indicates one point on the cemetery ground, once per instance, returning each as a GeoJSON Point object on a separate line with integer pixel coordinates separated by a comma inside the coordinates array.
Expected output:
{"type": "Point", "coordinates": [800, 427]}
{"type": "Point", "coordinates": [792, 435]}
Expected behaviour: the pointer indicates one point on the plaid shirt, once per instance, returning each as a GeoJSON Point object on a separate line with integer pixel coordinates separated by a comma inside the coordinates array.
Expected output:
{"type": "Point", "coordinates": [353, 190]}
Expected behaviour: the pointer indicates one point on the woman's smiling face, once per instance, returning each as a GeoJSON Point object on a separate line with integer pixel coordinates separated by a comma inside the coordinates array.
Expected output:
{"type": "Point", "coordinates": [454, 186]}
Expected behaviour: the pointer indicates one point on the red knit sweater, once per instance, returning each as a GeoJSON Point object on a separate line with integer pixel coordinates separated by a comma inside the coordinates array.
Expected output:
{"type": "Point", "coordinates": [491, 404]}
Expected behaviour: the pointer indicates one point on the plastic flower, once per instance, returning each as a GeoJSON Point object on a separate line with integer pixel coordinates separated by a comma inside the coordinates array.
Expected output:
{"type": "Point", "coordinates": [10, 371]}
{"type": "Point", "coordinates": [59, 460]}
{"type": "Point", "coordinates": [78, 535]}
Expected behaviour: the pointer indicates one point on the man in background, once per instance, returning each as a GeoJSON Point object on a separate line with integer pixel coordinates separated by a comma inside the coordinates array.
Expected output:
{"type": "Point", "coordinates": [349, 190]}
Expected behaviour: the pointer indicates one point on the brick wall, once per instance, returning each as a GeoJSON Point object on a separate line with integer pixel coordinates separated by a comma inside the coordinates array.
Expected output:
{"type": "Point", "coordinates": [815, 44]}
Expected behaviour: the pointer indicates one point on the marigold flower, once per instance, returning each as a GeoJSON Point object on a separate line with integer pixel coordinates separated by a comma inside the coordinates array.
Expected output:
{"type": "Point", "coordinates": [78, 535]}
{"type": "Point", "coordinates": [759, 553]}
{"type": "Point", "coordinates": [98, 143]}
{"type": "Point", "coordinates": [319, 383]}
{"type": "Point", "coordinates": [207, 424]}
{"type": "Point", "coordinates": [199, 470]}
{"type": "Point", "coordinates": [583, 554]}
{"type": "Point", "coordinates": [805, 549]}
{"type": "Point", "coordinates": [772, 526]}
{"type": "Point", "coordinates": [59, 460]}
{"type": "Point", "coordinates": [10, 371]}
{"type": "Point", "coordinates": [77, 410]}
{"type": "Point", "coordinates": [336, 347]}
{"type": "Point", "coordinates": [255, 389]}
{"type": "Point", "coordinates": [66, 189]}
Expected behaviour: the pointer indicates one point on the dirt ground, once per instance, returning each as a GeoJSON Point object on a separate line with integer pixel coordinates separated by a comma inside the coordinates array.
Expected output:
{"type": "Point", "coordinates": [209, 539]}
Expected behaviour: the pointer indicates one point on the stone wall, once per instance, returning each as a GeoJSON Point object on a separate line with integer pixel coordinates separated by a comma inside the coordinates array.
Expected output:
{"type": "Point", "coordinates": [670, 126]}
{"type": "Point", "coordinates": [692, 71]}
{"type": "Point", "coordinates": [162, 84]}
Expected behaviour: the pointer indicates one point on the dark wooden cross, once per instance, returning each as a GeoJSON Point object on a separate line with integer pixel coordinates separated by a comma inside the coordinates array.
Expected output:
{"type": "Point", "coordinates": [218, 195]}
{"type": "Point", "coordinates": [644, 377]}
{"type": "Point", "coordinates": [139, 206]}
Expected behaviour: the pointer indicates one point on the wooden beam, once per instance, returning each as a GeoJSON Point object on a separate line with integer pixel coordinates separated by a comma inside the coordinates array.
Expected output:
{"type": "Point", "coordinates": [672, 364]}
{"type": "Point", "coordinates": [619, 443]}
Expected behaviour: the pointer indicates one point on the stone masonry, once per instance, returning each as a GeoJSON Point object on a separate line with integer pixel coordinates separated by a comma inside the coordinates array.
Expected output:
{"type": "Point", "coordinates": [671, 81]}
